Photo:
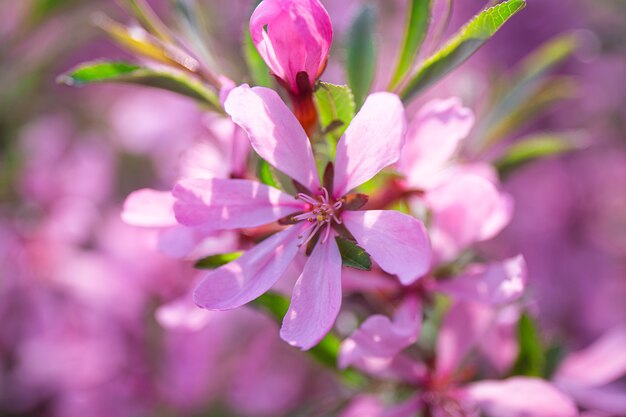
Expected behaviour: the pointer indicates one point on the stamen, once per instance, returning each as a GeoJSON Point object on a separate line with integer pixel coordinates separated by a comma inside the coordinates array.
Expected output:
{"type": "Point", "coordinates": [306, 199]}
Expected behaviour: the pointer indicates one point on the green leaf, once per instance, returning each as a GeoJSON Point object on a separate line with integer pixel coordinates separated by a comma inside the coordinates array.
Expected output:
{"type": "Point", "coordinates": [215, 261]}
{"type": "Point", "coordinates": [265, 174]}
{"type": "Point", "coordinates": [361, 54]}
{"type": "Point", "coordinates": [148, 19]}
{"type": "Point", "coordinates": [259, 71]}
{"type": "Point", "coordinates": [353, 255]}
{"type": "Point", "coordinates": [531, 360]}
{"type": "Point", "coordinates": [537, 147]}
{"type": "Point", "coordinates": [191, 21]}
{"type": "Point", "coordinates": [122, 72]}
{"type": "Point", "coordinates": [138, 41]}
{"type": "Point", "coordinates": [418, 20]}
{"type": "Point", "coordinates": [336, 108]}
{"type": "Point", "coordinates": [463, 45]}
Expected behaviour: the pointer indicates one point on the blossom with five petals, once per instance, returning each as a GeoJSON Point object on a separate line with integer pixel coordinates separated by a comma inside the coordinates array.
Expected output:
{"type": "Point", "coordinates": [397, 242]}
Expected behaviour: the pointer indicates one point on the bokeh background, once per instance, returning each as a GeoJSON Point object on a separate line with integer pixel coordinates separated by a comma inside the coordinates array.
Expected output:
{"type": "Point", "coordinates": [84, 329]}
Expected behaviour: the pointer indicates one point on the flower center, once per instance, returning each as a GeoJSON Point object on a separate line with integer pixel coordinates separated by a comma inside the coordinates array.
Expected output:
{"type": "Point", "coordinates": [322, 212]}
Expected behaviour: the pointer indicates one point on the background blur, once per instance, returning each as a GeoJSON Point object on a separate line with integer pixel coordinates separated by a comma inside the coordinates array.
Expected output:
{"type": "Point", "coordinates": [79, 289]}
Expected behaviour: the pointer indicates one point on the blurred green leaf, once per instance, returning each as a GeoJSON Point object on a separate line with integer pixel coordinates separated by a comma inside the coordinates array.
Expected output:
{"type": "Point", "coordinates": [463, 45]}
{"type": "Point", "coordinates": [536, 147]}
{"type": "Point", "coordinates": [148, 19]}
{"type": "Point", "coordinates": [40, 9]}
{"type": "Point", "coordinates": [122, 72]}
{"type": "Point", "coordinates": [191, 21]}
{"type": "Point", "coordinates": [259, 71]}
{"type": "Point", "coordinates": [353, 256]}
{"type": "Point", "coordinates": [508, 110]}
{"type": "Point", "coordinates": [418, 20]}
{"type": "Point", "coordinates": [531, 360]}
{"type": "Point", "coordinates": [361, 54]}
{"type": "Point", "coordinates": [215, 261]}
{"type": "Point", "coordinates": [138, 42]}
{"type": "Point", "coordinates": [335, 107]}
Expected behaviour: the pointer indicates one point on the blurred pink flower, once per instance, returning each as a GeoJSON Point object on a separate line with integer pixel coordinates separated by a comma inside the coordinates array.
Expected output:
{"type": "Point", "coordinates": [396, 241]}
{"type": "Point", "coordinates": [589, 376]}
{"type": "Point", "coordinates": [464, 199]}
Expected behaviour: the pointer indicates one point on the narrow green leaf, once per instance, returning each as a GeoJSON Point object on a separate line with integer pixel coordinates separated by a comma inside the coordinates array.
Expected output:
{"type": "Point", "coordinates": [259, 72]}
{"type": "Point", "coordinates": [353, 255]}
{"type": "Point", "coordinates": [531, 358]}
{"type": "Point", "coordinates": [463, 45]}
{"type": "Point", "coordinates": [528, 83]}
{"type": "Point", "coordinates": [361, 54]}
{"type": "Point", "coordinates": [336, 108]}
{"type": "Point", "coordinates": [122, 72]}
{"type": "Point", "coordinates": [537, 147]}
{"type": "Point", "coordinates": [148, 19]}
{"type": "Point", "coordinates": [215, 261]}
{"type": "Point", "coordinates": [191, 21]}
{"type": "Point", "coordinates": [418, 20]}
{"type": "Point", "coordinates": [139, 42]}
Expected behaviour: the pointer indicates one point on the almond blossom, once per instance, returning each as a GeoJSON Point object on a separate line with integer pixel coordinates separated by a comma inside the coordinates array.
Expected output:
{"type": "Point", "coordinates": [463, 198]}
{"type": "Point", "coordinates": [444, 390]}
{"type": "Point", "coordinates": [317, 214]}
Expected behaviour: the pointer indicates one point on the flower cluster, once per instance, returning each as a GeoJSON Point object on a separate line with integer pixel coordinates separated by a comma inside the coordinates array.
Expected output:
{"type": "Point", "coordinates": [353, 223]}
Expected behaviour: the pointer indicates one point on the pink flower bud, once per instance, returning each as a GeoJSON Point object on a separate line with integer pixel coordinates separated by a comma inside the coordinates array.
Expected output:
{"type": "Point", "coordinates": [293, 37]}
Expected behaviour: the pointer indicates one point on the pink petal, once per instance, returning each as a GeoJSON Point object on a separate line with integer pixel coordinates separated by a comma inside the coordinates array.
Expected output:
{"type": "Point", "coordinates": [149, 208]}
{"type": "Point", "coordinates": [316, 298]}
{"type": "Point", "coordinates": [432, 140]}
{"type": "Point", "coordinates": [217, 204]}
{"type": "Point", "coordinates": [183, 314]}
{"type": "Point", "coordinates": [494, 283]}
{"type": "Point", "coordinates": [380, 338]}
{"type": "Point", "coordinates": [298, 37]}
{"type": "Point", "coordinates": [466, 209]}
{"type": "Point", "coordinates": [609, 399]}
{"type": "Point", "coordinates": [521, 397]}
{"type": "Point", "coordinates": [463, 327]}
{"type": "Point", "coordinates": [397, 242]}
{"type": "Point", "coordinates": [371, 142]}
{"type": "Point", "coordinates": [364, 406]}
{"type": "Point", "coordinates": [245, 279]}
{"type": "Point", "coordinates": [599, 364]}
{"type": "Point", "coordinates": [274, 132]}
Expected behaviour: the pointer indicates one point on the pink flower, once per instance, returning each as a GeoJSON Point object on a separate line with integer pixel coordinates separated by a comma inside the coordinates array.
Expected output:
{"type": "Point", "coordinates": [464, 199]}
{"type": "Point", "coordinates": [293, 37]}
{"type": "Point", "coordinates": [589, 376]}
{"type": "Point", "coordinates": [442, 389]}
{"type": "Point", "coordinates": [397, 242]}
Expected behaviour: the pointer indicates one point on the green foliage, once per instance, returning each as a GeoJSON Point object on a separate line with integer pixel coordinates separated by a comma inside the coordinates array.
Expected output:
{"type": "Point", "coordinates": [463, 45]}
{"type": "Point", "coordinates": [122, 72]}
{"type": "Point", "coordinates": [418, 20]}
{"type": "Point", "coordinates": [215, 261]}
{"type": "Point", "coordinates": [361, 54]}
{"type": "Point", "coordinates": [535, 147]}
{"type": "Point", "coordinates": [336, 108]}
{"type": "Point", "coordinates": [266, 174]}
{"type": "Point", "coordinates": [531, 359]}
{"type": "Point", "coordinates": [519, 99]}
{"type": "Point", "coordinates": [353, 255]}
{"type": "Point", "coordinates": [259, 72]}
